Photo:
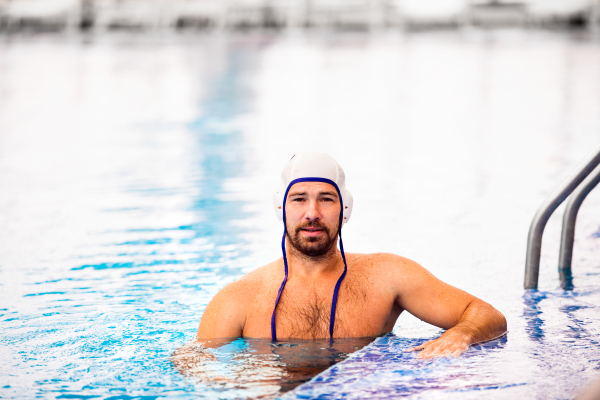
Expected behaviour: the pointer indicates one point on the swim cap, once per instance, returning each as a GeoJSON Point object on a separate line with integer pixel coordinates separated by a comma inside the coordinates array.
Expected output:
{"type": "Point", "coordinates": [312, 164]}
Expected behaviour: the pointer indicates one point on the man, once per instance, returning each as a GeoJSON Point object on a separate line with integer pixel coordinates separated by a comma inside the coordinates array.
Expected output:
{"type": "Point", "coordinates": [317, 291]}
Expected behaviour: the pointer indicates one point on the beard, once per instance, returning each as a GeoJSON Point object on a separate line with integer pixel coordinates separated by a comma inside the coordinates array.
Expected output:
{"type": "Point", "coordinates": [312, 246]}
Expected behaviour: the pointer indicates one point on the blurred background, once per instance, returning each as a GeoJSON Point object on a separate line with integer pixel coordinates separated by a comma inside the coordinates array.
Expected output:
{"type": "Point", "coordinates": [76, 15]}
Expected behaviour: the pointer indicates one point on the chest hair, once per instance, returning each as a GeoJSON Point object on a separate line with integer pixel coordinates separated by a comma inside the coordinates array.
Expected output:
{"type": "Point", "coordinates": [309, 317]}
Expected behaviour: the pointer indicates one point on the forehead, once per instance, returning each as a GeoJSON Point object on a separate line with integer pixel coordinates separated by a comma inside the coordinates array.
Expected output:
{"type": "Point", "coordinates": [312, 188]}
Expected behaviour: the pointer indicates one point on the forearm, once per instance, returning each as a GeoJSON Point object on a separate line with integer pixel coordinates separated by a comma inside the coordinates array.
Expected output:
{"type": "Point", "coordinates": [479, 322]}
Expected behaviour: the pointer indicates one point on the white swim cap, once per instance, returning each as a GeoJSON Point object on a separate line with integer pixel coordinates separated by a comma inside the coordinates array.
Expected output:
{"type": "Point", "coordinates": [312, 164]}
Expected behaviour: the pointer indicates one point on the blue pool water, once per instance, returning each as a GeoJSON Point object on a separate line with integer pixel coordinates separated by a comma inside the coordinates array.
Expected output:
{"type": "Point", "coordinates": [136, 176]}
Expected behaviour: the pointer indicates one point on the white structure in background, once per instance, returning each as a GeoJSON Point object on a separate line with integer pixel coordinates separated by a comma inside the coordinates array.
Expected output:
{"type": "Point", "coordinates": [221, 14]}
{"type": "Point", "coordinates": [236, 13]}
{"type": "Point", "coordinates": [66, 13]}
{"type": "Point", "coordinates": [171, 14]}
{"type": "Point", "coordinates": [346, 13]}
{"type": "Point", "coordinates": [180, 13]}
{"type": "Point", "coordinates": [245, 13]}
{"type": "Point", "coordinates": [497, 12]}
{"type": "Point", "coordinates": [290, 13]}
{"type": "Point", "coordinates": [127, 13]}
{"type": "Point", "coordinates": [555, 9]}
{"type": "Point", "coordinates": [421, 12]}
{"type": "Point", "coordinates": [494, 12]}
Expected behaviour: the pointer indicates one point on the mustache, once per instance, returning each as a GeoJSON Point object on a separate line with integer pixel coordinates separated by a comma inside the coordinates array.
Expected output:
{"type": "Point", "coordinates": [312, 224]}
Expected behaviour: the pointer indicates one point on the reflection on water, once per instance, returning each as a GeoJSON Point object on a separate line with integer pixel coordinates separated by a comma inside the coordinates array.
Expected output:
{"type": "Point", "coordinates": [575, 309]}
{"type": "Point", "coordinates": [532, 313]}
{"type": "Point", "coordinates": [260, 367]}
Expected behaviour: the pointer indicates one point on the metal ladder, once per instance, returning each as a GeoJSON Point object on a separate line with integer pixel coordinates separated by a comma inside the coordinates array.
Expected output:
{"type": "Point", "coordinates": [578, 184]}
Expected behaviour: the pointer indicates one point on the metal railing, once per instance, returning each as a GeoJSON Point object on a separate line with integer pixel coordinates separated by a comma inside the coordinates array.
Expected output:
{"type": "Point", "coordinates": [579, 183]}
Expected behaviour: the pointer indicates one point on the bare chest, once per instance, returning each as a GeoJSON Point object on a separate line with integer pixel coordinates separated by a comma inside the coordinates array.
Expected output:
{"type": "Point", "coordinates": [304, 311]}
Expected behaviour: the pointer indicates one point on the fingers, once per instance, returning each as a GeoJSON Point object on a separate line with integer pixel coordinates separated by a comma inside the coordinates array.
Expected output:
{"type": "Point", "coordinates": [420, 347]}
{"type": "Point", "coordinates": [439, 348]}
{"type": "Point", "coordinates": [457, 353]}
{"type": "Point", "coordinates": [436, 353]}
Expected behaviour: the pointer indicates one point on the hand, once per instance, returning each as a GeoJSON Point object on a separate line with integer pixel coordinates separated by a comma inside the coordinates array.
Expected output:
{"type": "Point", "coordinates": [448, 345]}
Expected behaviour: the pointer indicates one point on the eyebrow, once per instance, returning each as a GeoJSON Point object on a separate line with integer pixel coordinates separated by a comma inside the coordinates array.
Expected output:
{"type": "Point", "coordinates": [305, 193]}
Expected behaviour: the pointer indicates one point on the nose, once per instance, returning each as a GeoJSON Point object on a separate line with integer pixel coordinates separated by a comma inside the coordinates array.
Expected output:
{"type": "Point", "coordinates": [313, 212]}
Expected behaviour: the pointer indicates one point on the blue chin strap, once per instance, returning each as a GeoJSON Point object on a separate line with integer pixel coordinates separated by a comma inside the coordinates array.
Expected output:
{"type": "Point", "coordinates": [285, 262]}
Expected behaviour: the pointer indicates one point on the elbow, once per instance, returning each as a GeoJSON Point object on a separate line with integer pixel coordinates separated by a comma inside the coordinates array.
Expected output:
{"type": "Point", "coordinates": [497, 322]}
{"type": "Point", "coordinates": [502, 324]}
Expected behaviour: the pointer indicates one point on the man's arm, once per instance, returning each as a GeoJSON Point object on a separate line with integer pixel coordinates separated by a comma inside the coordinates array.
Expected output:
{"type": "Point", "coordinates": [468, 320]}
{"type": "Point", "coordinates": [225, 315]}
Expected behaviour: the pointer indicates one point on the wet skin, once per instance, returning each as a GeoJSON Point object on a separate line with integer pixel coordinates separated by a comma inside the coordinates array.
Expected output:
{"type": "Point", "coordinates": [376, 290]}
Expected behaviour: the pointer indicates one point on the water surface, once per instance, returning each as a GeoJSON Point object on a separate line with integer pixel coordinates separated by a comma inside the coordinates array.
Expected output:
{"type": "Point", "coordinates": [136, 175]}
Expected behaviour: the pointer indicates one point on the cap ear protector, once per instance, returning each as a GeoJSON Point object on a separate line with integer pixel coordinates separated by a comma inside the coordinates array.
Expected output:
{"type": "Point", "coordinates": [347, 200]}
{"type": "Point", "coordinates": [313, 166]}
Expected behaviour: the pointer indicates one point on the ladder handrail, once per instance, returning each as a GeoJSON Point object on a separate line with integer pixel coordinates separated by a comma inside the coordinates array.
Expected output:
{"type": "Point", "coordinates": [536, 230]}
{"type": "Point", "coordinates": [567, 238]}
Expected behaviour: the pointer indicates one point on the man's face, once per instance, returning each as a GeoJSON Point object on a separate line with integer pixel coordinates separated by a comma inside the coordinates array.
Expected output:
{"type": "Point", "coordinates": [312, 217]}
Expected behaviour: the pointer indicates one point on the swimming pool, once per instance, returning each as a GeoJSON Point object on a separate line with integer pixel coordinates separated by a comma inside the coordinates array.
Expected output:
{"type": "Point", "coordinates": [137, 173]}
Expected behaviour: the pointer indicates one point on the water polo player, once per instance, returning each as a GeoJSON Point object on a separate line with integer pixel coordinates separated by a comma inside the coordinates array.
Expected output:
{"type": "Point", "coordinates": [316, 290]}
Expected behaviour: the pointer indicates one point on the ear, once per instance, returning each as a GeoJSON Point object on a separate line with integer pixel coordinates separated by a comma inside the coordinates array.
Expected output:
{"type": "Point", "coordinates": [348, 203]}
{"type": "Point", "coordinates": [278, 203]}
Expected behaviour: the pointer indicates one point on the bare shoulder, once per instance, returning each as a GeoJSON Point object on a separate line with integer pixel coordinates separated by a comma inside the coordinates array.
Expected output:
{"type": "Point", "coordinates": [398, 274]}
{"type": "Point", "coordinates": [226, 314]}
{"type": "Point", "coordinates": [384, 263]}
{"type": "Point", "coordinates": [241, 290]}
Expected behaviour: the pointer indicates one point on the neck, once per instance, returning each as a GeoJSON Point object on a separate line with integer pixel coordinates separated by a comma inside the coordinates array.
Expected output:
{"type": "Point", "coordinates": [312, 265]}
